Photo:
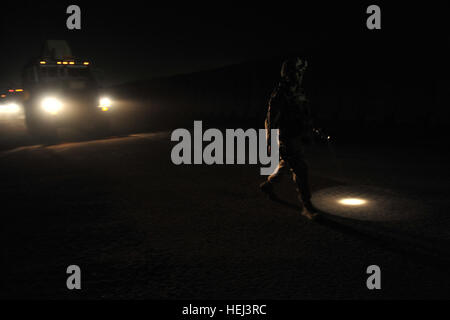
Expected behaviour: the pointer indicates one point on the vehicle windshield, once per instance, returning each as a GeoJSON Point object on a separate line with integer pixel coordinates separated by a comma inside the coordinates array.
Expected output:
{"type": "Point", "coordinates": [79, 73]}
{"type": "Point", "coordinates": [49, 72]}
{"type": "Point", "coordinates": [55, 72]}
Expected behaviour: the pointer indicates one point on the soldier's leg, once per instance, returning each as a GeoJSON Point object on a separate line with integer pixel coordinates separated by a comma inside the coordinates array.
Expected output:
{"type": "Point", "coordinates": [299, 167]}
{"type": "Point", "coordinates": [295, 158]}
{"type": "Point", "coordinates": [279, 172]}
{"type": "Point", "coordinates": [300, 177]}
{"type": "Point", "coordinates": [275, 177]}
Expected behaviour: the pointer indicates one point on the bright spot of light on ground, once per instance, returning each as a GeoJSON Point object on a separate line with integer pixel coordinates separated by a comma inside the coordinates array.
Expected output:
{"type": "Point", "coordinates": [352, 201]}
{"type": "Point", "coordinates": [370, 203]}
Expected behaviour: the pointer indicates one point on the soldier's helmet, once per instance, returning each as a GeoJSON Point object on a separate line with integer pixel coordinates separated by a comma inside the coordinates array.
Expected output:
{"type": "Point", "coordinates": [292, 69]}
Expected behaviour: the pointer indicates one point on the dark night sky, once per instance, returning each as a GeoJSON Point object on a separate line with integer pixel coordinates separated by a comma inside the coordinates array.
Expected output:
{"type": "Point", "coordinates": [134, 40]}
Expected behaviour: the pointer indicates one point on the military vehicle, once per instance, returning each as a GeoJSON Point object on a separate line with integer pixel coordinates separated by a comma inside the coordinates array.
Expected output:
{"type": "Point", "coordinates": [60, 91]}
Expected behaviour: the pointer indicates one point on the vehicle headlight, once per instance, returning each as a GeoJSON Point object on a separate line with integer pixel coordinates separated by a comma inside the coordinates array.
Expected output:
{"type": "Point", "coordinates": [9, 108]}
{"type": "Point", "coordinates": [105, 103]}
{"type": "Point", "coordinates": [51, 105]}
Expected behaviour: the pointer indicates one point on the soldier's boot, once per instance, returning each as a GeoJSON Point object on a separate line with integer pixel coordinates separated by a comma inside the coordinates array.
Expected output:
{"type": "Point", "coordinates": [309, 210]}
{"type": "Point", "coordinates": [267, 188]}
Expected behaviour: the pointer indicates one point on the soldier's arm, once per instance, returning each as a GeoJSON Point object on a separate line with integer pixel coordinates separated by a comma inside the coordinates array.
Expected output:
{"type": "Point", "coordinates": [307, 120]}
{"type": "Point", "coordinates": [312, 126]}
{"type": "Point", "coordinates": [273, 115]}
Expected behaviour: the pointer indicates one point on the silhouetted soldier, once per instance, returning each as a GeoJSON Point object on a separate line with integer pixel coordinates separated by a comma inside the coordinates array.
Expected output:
{"type": "Point", "coordinates": [289, 112]}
